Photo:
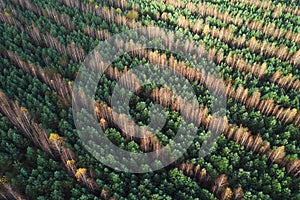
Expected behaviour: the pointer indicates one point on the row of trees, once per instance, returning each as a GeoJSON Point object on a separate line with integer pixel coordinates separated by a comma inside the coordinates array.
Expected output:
{"type": "Point", "coordinates": [55, 144]}
{"type": "Point", "coordinates": [110, 14]}
{"type": "Point", "coordinates": [83, 170]}
{"type": "Point", "coordinates": [7, 192]}
{"type": "Point", "coordinates": [22, 119]}
{"type": "Point", "coordinates": [271, 6]}
{"type": "Point", "coordinates": [268, 28]}
{"type": "Point", "coordinates": [49, 13]}
{"type": "Point", "coordinates": [185, 22]}
{"type": "Point", "coordinates": [287, 81]}
{"type": "Point", "coordinates": [223, 165]}
{"type": "Point", "coordinates": [239, 135]}
{"type": "Point", "coordinates": [219, 187]}
{"type": "Point", "coordinates": [240, 94]}
{"type": "Point", "coordinates": [260, 71]}
{"type": "Point", "coordinates": [56, 141]}
{"type": "Point", "coordinates": [31, 171]}
{"type": "Point", "coordinates": [271, 155]}
{"type": "Point", "coordinates": [240, 63]}
{"type": "Point", "coordinates": [175, 22]}
{"type": "Point", "coordinates": [226, 35]}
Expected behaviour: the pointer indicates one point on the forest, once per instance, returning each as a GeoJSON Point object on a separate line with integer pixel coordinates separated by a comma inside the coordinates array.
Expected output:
{"type": "Point", "coordinates": [149, 99]}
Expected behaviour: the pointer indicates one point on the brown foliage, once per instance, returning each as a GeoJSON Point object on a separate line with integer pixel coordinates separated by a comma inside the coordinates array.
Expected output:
{"type": "Point", "coordinates": [293, 167]}
{"type": "Point", "coordinates": [200, 175]}
{"type": "Point", "coordinates": [220, 185]}
{"type": "Point", "coordinates": [8, 193]}
{"type": "Point", "coordinates": [238, 194]}
{"type": "Point", "coordinates": [49, 13]}
{"type": "Point", "coordinates": [21, 118]}
{"type": "Point", "coordinates": [227, 194]}
{"type": "Point", "coordinates": [11, 20]}
{"type": "Point", "coordinates": [276, 155]}
{"type": "Point", "coordinates": [54, 80]}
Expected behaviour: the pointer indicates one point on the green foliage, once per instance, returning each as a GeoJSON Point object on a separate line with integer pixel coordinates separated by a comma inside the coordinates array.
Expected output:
{"type": "Point", "coordinates": [38, 176]}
